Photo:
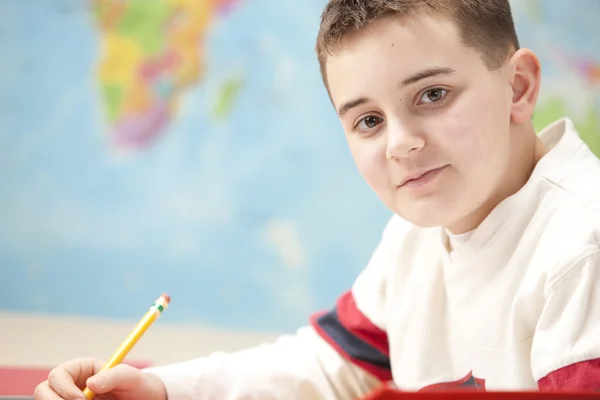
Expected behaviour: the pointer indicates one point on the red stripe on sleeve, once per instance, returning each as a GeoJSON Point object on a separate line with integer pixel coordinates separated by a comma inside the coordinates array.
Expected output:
{"type": "Point", "coordinates": [584, 375]}
{"type": "Point", "coordinates": [383, 374]}
{"type": "Point", "coordinates": [359, 325]}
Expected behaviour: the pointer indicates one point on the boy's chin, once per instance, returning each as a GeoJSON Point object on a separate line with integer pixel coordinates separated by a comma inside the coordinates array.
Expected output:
{"type": "Point", "coordinates": [423, 213]}
{"type": "Point", "coordinates": [422, 218]}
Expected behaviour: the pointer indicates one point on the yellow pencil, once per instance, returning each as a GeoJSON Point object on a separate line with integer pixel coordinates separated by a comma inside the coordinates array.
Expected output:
{"type": "Point", "coordinates": [157, 308]}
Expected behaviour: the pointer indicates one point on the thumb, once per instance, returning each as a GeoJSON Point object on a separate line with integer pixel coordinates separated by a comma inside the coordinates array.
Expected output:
{"type": "Point", "coordinates": [119, 378]}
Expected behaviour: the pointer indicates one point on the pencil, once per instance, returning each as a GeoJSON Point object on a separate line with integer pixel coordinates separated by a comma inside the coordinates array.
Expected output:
{"type": "Point", "coordinates": [153, 313]}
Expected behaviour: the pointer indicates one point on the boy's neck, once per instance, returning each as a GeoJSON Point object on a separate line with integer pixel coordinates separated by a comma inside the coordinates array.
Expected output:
{"type": "Point", "coordinates": [518, 172]}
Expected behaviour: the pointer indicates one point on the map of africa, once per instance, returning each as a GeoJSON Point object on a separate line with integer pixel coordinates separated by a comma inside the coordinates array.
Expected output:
{"type": "Point", "coordinates": [189, 146]}
{"type": "Point", "coordinates": [151, 53]}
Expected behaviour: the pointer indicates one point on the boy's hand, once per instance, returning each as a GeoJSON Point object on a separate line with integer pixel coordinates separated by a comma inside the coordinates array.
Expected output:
{"type": "Point", "coordinates": [121, 382]}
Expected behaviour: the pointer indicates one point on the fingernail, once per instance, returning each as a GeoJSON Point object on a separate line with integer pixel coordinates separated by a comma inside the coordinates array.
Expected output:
{"type": "Point", "coordinates": [97, 382]}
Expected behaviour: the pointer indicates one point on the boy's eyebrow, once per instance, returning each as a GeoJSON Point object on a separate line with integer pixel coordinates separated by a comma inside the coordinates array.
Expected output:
{"type": "Point", "coordinates": [344, 108]}
{"type": "Point", "coordinates": [426, 73]}
{"type": "Point", "coordinates": [414, 78]}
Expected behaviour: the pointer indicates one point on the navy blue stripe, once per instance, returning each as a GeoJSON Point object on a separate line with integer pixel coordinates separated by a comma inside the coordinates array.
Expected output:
{"type": "Point", "coordinates": [352, 345]}
{"type": "Point", "coordinates": [471, 383]}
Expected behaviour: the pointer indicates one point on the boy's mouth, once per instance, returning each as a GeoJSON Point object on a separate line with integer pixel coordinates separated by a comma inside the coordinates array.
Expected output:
{"type": "Point", "coordinates": [420, 178]}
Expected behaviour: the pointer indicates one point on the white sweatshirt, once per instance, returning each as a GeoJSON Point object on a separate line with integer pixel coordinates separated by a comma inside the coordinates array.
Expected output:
{"type": "Point", "coordinates": [514, 305]}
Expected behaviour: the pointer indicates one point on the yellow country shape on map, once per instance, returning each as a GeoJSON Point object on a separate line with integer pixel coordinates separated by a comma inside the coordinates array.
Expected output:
{"type": "Point", "coordinates": [189, 67]}
{"type": "Point", "coordinates": [121, 59]}
{"type": "Point", "coordinates": [197, 12]}
{"type": "Point", "coordinates": [186, 35]}
{"type": "Point", "coordinates": [137, 98]}
{"type": "Point", "coordinates": [188, 46]}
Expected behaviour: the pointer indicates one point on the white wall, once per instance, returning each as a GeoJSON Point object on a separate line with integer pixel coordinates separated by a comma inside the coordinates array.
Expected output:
{"type": "Point", "coordinates": [41, 340]}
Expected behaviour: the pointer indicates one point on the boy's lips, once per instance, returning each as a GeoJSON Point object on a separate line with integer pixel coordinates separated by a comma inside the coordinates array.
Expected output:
{"type": "Point", "coordinates": [421, 177]}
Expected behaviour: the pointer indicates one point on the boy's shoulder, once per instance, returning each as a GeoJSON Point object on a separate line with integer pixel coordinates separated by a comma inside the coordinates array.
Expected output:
{"type": "Point", "coordinates": [563, 218]}
{"type": "Point", "coordinates": [568, 187]}
{"type": "Point", "coordinates": [564, 228]}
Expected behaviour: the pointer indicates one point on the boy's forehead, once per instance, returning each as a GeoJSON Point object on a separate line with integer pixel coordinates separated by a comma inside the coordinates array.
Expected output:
{"type": "Point", "coordinates": [395, 48]}
{"type": "Point", "coordinates": [434, 34]}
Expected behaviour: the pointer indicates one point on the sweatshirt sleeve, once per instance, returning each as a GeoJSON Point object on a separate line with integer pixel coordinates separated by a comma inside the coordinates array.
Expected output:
{"type": "Point", "coordinates": [300, 366]}
{"type": "Point", "coordinates": [356, 326]}
{"type": "Point", "coordinates": [566, 346]}
{"type": "Point", "coordinates": [341, 354]}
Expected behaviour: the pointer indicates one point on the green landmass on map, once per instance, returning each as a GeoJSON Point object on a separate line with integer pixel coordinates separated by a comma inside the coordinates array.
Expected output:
{"type": "Point", "coordinates": [228, 92]}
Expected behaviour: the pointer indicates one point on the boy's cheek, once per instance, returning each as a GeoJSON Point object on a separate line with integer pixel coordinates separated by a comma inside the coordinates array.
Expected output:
{"type": "Point", "coordinates": [464, 144]}
{"type": "Point", "coordinates": [374, 174]}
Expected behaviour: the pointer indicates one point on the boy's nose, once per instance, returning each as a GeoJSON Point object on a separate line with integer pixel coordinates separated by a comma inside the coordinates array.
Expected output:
{"type": "Point", "coordinates": [402, 141]}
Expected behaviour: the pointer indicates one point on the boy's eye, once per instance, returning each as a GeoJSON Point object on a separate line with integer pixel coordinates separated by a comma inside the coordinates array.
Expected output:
{"type": "Point", "coordinates": [368, 122]}
{"type": "Point", "coordinates": [433, 95]}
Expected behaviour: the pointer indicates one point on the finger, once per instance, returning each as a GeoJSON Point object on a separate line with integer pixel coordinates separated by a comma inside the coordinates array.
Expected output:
{"type": "Point", "coordinates": [121, 377]}
{"type": "Point", "coordinates": [80, 369]}
{"type": "Point", "coordinates": [68, 378]}
{"type": "Point", "coordinates": [44, 392]}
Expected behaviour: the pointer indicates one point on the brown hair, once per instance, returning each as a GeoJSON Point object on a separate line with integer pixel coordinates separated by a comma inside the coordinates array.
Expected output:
{"type": "Point", "coordinates": [485, 25]}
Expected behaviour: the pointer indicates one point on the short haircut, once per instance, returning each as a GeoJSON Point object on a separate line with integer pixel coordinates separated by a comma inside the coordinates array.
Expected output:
{"type": "Point", "coordinates": [485, 25]}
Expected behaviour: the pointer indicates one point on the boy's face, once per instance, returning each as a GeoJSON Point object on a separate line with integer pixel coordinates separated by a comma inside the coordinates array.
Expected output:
{"type": "Point", "coordinates": [428, 125]}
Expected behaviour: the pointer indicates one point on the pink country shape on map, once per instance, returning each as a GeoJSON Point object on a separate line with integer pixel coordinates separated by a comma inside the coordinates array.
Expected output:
{"type": "Point", "coordinates": [152, 68]}
{"type": "Point", "coordinates": [224, 6]}
{"type": "Point", "coordinates": [138, 130]}
{"type": "Point", "coordinates": [587, 68]}
{"type": "Point", "coordinates": [590, 71]}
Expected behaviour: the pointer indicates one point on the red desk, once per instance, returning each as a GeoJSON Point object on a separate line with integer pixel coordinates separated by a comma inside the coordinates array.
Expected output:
{"type": "Point", "coordinates": [21, 381]}
{"type": "Point", "coordinates": [389, 394]}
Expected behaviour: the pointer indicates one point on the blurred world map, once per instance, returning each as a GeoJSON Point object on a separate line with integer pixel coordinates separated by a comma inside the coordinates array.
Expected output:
{"type": "Point", "coordinates": [189, 146]}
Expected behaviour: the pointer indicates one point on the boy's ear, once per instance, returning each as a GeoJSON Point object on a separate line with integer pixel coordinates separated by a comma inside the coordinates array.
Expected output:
{"type": "Point", "coordinates": [525, 81]}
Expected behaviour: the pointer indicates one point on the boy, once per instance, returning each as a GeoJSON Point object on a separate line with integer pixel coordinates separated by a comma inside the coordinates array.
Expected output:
{"type": "Point", "coordinates": [488, 276]}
